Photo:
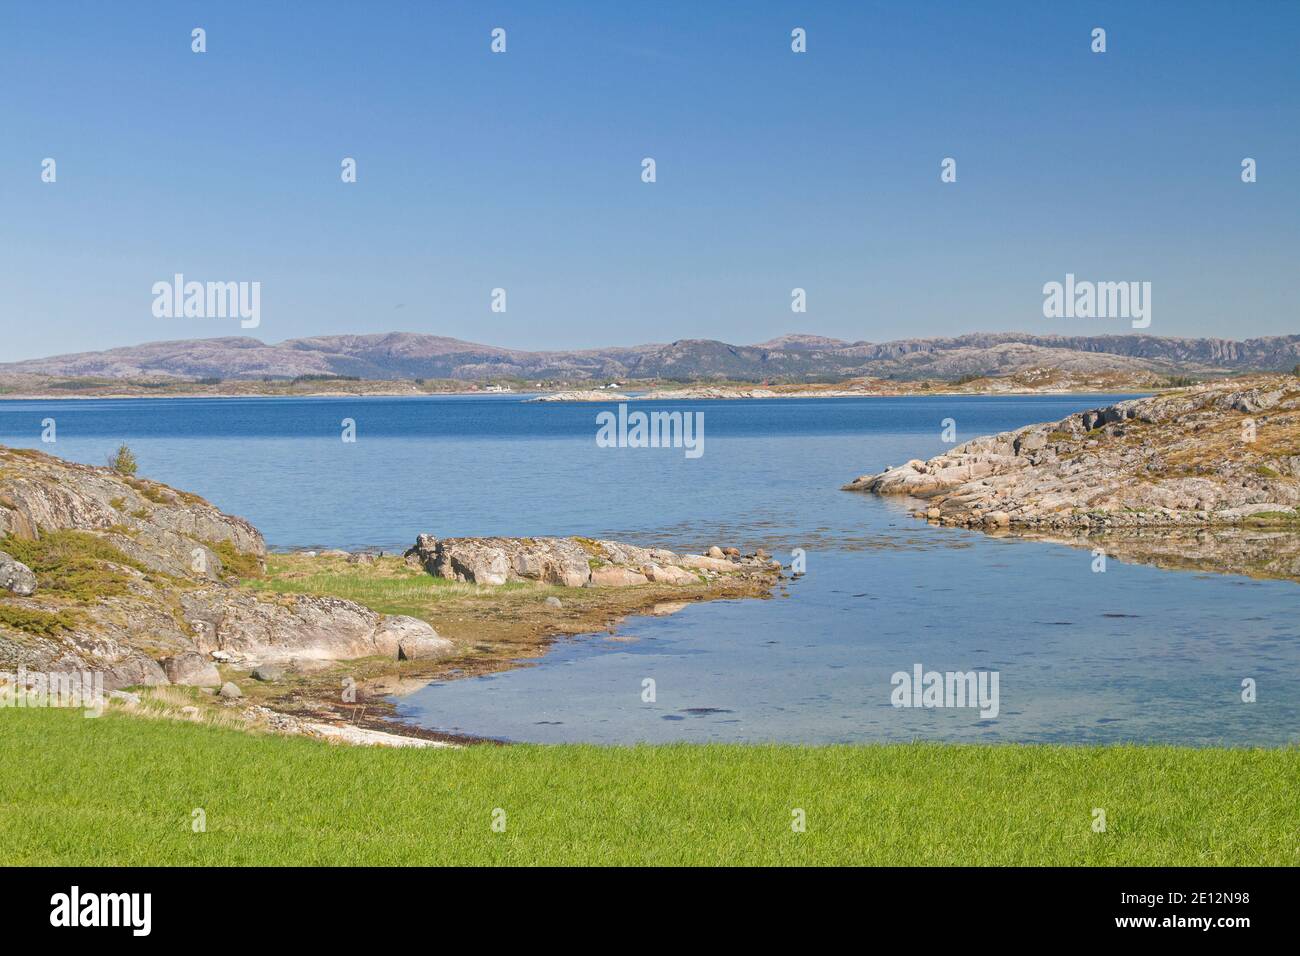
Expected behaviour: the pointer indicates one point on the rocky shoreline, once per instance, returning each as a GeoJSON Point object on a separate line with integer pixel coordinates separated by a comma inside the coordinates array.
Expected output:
{"type": "Point", "coordinates": [139, 581]}
{"type": "Point", "coordinates": [1223, 456]}
{"type": "Point", "coordinates": [153, 587]}
{"type": "Point", "coordinates": [578, 562]}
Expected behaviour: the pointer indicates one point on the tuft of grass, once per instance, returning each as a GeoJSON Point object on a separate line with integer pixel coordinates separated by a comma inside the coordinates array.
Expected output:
{"type": "Point", "coordinates": [170, 702]}
{"type": "Point", "coordinates": [236, 564]}
{"type": "Point", "coordinates": [154, 492]}
{"type": "Point", "coordinates": [40, 623]}
{"type": "Point", "coordinates": [589, 545]}
{"type": "Point", "coordinates": [119, 790]}
{"type": "Point", "coordinates": [161, 494]}
{"type": "Point", "coordinates": [1264, 519]}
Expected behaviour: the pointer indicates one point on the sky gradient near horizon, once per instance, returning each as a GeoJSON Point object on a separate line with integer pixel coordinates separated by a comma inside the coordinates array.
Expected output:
{"type": "Point", "coordinates": [523, 170]}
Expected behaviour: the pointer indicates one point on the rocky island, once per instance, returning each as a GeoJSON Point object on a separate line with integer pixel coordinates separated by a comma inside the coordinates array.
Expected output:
{"type": "Point", "coordinates": [1213, 461]}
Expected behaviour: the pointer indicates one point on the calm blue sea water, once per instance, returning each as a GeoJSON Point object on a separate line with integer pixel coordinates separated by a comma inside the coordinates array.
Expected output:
{"type": "Point", "coordinates": [1135, 654]}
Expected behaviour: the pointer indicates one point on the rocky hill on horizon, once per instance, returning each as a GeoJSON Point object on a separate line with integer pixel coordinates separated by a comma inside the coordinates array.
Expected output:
{"type": "Point", "coordinates": [788, 358]}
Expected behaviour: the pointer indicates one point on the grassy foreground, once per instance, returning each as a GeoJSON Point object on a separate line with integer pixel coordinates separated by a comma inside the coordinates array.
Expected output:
{"type": "Point", "coordinates": [123, 790]}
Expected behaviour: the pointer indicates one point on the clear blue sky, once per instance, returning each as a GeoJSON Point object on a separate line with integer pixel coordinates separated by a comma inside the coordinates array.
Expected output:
{"type": "Point", "coordinates": [522, 170]}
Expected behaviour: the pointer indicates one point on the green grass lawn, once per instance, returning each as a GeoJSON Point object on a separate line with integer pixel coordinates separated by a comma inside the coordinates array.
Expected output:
{"type": "Point", "coordinates": [122, 790]}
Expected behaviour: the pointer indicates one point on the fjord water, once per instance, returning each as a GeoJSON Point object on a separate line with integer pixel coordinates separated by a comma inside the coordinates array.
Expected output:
{"type": "Point", "coordinates": [1132, 654]}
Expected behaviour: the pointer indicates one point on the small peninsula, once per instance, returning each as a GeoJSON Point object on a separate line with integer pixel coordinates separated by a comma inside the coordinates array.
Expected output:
{"type": "Point", "coordinates": [1212, 462]}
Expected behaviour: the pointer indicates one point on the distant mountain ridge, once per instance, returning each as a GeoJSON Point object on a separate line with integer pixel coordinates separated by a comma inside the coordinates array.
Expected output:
{"type": "Point", "coordinates": [793, 357]}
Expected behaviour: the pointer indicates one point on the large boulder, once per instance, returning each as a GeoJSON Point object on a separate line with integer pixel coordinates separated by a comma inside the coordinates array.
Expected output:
{"type": "Point", "coordinates": [611, 576]}
{"type": "Point", "coordinates": [667, 574]}
{"type": "Point", "coordinates": [409, 639]}
{"type": "Point", "coordinates": [264, 629]}
{"type": "Point", "coordinates": [475, 562]}
{"type": "Point", "coordinates": [133, 670]}
{"type": "Point", "coordinates": [494, 561]}
{"type": "Point", "coordinates": [417, 647]}
{"type": "Point", "coordinates": [16, 576]}
{"type": "Point", "coordinates": [704, 563]}
{"type": "Point", "coordinates": [303, 628]}
{"type": "Point", "coordinates": [552, 561]}
{"type": "Point", "coordinates": [616, 552]}
{"type": "Point", "coordinates": [191, 669]}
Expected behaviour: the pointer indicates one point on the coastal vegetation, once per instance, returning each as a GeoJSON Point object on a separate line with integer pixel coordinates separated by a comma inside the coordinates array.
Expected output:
{"type": "Point", "coordinates": [37, 622]}
{"type": "Point", "coordinates": [73, 566]}
{"type": "Point", "coordinates": [123, 461]}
